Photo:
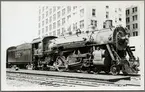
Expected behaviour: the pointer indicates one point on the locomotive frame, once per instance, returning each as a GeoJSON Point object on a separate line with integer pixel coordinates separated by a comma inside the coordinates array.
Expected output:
{"type": "Point", "coordinates": [90, 52]}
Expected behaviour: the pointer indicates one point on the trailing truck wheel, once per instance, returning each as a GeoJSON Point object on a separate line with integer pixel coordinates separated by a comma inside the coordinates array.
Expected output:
{"type": "Point", "coordinates": [115, 70]}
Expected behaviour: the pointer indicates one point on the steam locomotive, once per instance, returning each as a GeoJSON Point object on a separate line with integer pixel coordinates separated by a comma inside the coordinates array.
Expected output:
{"type": "Point", "coordinates": [102, 50]}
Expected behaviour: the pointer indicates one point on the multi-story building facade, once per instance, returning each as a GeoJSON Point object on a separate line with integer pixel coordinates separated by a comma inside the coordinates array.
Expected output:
{"type": "Point", "coordinates": [132, 20]}
{"type": "Point", "coordinates": [63, 20]}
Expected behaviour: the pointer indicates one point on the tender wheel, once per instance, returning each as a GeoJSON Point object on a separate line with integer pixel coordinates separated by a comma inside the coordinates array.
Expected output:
{"type": "Point", "coordinates": [115, 70]}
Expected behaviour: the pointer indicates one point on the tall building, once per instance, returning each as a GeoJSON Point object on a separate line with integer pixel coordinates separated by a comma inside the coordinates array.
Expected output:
{"type": "Point", "coordinates": [132, 20]}
{"type": "Point", "coordinates": [65, 20]}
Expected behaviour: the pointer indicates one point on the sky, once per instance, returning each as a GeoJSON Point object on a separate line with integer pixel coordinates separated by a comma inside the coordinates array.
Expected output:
{"type": "Point", "coordinates": [19, 20]}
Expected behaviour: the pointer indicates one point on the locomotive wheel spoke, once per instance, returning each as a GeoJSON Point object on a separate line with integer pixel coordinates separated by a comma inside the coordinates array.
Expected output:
{"type": "Point", "coordinates": [60, 64]}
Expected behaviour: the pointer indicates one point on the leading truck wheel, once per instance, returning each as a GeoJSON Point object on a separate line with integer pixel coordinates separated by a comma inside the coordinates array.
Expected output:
{"type": "Point", "coordinates": [115, 70]}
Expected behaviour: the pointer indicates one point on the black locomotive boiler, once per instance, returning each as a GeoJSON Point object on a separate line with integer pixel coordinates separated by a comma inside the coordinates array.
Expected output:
{"type": "Point", "coordinates": [101, 50]}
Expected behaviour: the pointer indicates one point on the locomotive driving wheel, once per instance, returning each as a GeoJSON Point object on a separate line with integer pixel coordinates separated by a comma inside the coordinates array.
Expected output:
{"type": "Point", "coordinates": [115, 70]}
{"type": "Point", "coordinates": [60, 63]}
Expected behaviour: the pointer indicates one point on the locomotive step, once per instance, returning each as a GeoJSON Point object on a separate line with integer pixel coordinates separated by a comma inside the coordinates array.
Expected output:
{"type": "Point", "coordinates": [72, 75]}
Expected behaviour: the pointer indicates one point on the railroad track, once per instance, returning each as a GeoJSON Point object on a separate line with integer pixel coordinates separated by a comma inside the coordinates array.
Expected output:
{"type": "Point", "coordinates": [59, 81]}
{"type": "Point", "coordinates": [64, 81]}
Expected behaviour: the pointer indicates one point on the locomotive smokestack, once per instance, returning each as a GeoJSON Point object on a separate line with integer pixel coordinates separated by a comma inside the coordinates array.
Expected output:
{"type": "Point", "coordinates": [107, 24]}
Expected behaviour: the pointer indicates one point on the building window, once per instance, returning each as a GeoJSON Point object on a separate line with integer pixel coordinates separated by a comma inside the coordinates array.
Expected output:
{"type": "Point", "coordinates": [43, 8]}
{"type": "Point", "coordinates": [46, 28]}
{"type": "Point", "coordinates": [63, 12]}
{"type": "Point", "coordinates": [134, 17]}
{"type": "Point", "coordinates": [127, 20]}
{"type": "Point", "coordinates": [39, 25]}
{"type": "Point", "coordinates": [46, 13]}
{"type": "Point", "coordinates": [63, 31]}
{"type": "Point", "coordinates": [68, 17]}
{"type": "Point", "coordinates": [38, 32]}
{"type": "Point", "coordinates": [107, 14]}
{"type": "Point", "coordinates": [127, 12]}
{"type": "Point", "coordinates": [82, 12]}
{"type": "Point", "coordinates": [135, 9]}
{"type": "Point", "coordinates": [75, 27]}
{"type": "Point", "coordinates": [54, 25]}
{"type": "Point", "coordinates": [58, 14]}
{"type": "Point", "coordinates": [81, 24]}
{"type": "Point", "coordinates": [93, 12]}
{"type": "Point", "coordinates": [135, 26]}
{"type": "Point", "coordinates": [107, 6]}
{"type": "Point", "coordinates": [135, 33]}
{"type": "Point", "coordinates": [128, 26]}
{"type": "Point", "coordinates": [68, 9]}
{"type": "Point", "coordinates": [74, 13]}
{"type": "Point", "coordinates": [50, 11]}
{"type": "Point", "coordinates": [94, 22]}
{"type": "Point", "coordinates": [50, 33]}
{"type": "Point", "coordinates": [42, 30]}
{"type": "Point", "coordinates": [119, 9]}
{"type": "Point", "coordinates": [39, 11]}
{"type": "Point", "coordinates": [54, 17]}
{"type": "Point", "coordinates": [74, 7]}
{"type": "Point", "coordinates": [42, 23]}
{"type": "Point", "coordinates": [115, 10]}
{"type": "Point", "coordinates": [115, 19]}
{"type": "Point", "coordinates": [104, 24]}
{"type": "Point", "coordinates": [132, 10]}
{"type": "Point", "coordinates": [58, 7]}
{"type": "Point", "coordinates": [50, 27]}
{"type": "Point", "coordinates": [42, 16]}
{"type": "Point", "coordinates": [58, 23]}
{"type": "Point", "coordinates": [63, 21]}
{"type": "Point", "coordinates": [58, 31]}
{"type": "Point", "coordinates": [39, 18]}
{"type": "Point", "coordinates": [54, 8]}
{"type": "Point", "coordinates": [54, 33]}
{"type": "Point", "coordinates": [69, 29]}
{"type": "Point", "coordinates": [50, 19]}
{"type": "Point", "coordinates": [46, 21]}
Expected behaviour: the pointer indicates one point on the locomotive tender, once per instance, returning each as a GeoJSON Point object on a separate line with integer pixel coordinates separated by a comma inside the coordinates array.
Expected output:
{"type": "Point", "coordinates": [102, 50]}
